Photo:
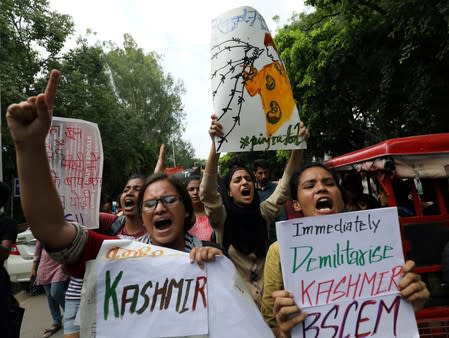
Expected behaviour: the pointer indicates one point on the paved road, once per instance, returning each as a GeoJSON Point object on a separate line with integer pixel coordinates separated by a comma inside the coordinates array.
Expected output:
{"type": "Point", "coordinates": [37, 316]}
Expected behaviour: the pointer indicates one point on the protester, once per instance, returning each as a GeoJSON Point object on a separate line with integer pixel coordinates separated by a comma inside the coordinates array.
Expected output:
{"type": "Point", "coordinates": [265, 188]}
{"type": "Point", "coordinates": [355, 198]}
{"type": "Point", "coordinates": [315, 192]}
{"type": "Point", "coordinates": [202, 228]}
{"type": "Point", "coordinates": [11, 313]}
{"type": "Point", "coordinates": [128, 225]}
{"type": "Point", "coordinates": [106, 206]}
{"type": "Point", "coordinates": [238, 218]}
{"type": "Point", "coordinates": [49, 274]}
{"type": "Point", "coordinates": [164, 203]}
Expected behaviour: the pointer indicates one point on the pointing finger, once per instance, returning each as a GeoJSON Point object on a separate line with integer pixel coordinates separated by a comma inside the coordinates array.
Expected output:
{"type": "Point", "coordinates": [52, 85]}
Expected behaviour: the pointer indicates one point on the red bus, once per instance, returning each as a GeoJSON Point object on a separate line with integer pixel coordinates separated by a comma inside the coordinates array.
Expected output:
{"type": "Point", "coordinates": [412, 173]}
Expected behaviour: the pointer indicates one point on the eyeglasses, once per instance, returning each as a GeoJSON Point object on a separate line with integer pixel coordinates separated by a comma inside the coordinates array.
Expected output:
{"type": "Point", "coordinates": [168, 201]}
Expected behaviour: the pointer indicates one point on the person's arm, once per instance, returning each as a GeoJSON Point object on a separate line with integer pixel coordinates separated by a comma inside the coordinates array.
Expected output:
{"type": "Point", "coordinates": [271, 206]}
{"type": "Point", "coordinates": [36, 259]}
{"type": "Point", "coordinates": [272, 281]}
{"type": "Point", "coordinates": [160, 164]}
{"type": "Point", "coordinates": [209, 195]}
{"type": "Point", "coordinates": [28, 123]}
{"type": "Point", "coordinates": [5, 249]}
{"type": "Point", "coordinates": [8, 237]}
{"type": "Point", "coordinates": [412, 288]}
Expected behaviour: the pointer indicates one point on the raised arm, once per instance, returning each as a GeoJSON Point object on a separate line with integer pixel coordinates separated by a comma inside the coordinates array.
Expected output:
{"type": "Point", "coordinates": [28, 123]}
{"type": "Point", "coordinates": [216, 129]}
{"type": "Point", "coordinates": [160, 164]}
{"type": "Point", "coordinates": [209, 194]}
{"type": "Point", "coordinates": [271, 206]}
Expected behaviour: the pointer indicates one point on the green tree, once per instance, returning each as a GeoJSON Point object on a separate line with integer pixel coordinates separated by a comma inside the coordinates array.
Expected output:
{"type": "Point", "coordinates": [107, 85]}
{"type": "Point", "coordinates": [31, 38]}
{"type": "Point", "coordinates": [28, 27]}
{"type": "Point", "coordinates": [86, 92]}
{"type": "Point", "coordinates": [184, 153]}
{"type": "Point", "coordinates": [276, 160]}
{"type": "Point", "coordinates": [147, 92]}
{"type": "Point", "coordinates": [364, 71]}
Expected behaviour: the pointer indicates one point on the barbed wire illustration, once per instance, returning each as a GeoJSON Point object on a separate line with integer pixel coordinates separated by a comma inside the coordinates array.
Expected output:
{"type": "Point", "coordinates": [238, 71]}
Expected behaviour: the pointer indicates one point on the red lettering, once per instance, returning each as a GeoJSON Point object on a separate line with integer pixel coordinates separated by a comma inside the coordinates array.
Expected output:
{"type": "Point", "coordinates": [368, 280]}
{"type": "Point", "coordinates": [396, 272]}
{"type": "Point", "coordinates": [361, 319]}
{"type": "Point", "coordinates": [336, 291]}
{"type": "Point", "coordinates": [324, 291]}
{"type": "Point", "coordinates": [345, 316]}
{"type": "Point", "coordinates": [200, 290]}
{"type": "Point", "coordinates": [355, 285]}
{"type": "Point", "coordinates": [305, 291]}
{"type": "Point", "coordinates": [394, 306]}
{"type": "Point", "coordinates": [382, 275]}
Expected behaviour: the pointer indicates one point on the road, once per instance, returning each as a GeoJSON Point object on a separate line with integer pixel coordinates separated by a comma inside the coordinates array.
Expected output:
{"type": "Point", "coordinates": [37, 316]}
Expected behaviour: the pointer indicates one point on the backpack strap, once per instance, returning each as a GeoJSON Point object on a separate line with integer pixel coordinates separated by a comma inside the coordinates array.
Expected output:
{"type": "Point", "coordinates": [117, 225]}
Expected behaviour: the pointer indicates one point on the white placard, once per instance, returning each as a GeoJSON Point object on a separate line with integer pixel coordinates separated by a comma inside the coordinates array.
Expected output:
{"type": "Point", "coordinates": [251, 92]}
{"type": "Point", "coordinates": [75, 155]}
{"type": "Point", "coordinates": [344, 270]}
{"type": "Point", "coordinates": [131, 302]}
{"type": "Point", "coordinates": [230, 309]}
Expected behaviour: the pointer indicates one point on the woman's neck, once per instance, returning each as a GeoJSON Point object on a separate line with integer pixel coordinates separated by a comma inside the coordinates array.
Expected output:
{"type": "Point", "coordinates": [133, 224]}
{"type": "Point", "coordinates": [179, 244]}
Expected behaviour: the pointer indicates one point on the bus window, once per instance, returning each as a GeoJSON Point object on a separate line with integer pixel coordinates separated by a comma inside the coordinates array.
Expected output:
{"type": "Point", "coordinates": [428, 198]}
{"type": "Point", "coordinates": [402, 194]}
{"type": "Point", "coordinates": [354, 186]}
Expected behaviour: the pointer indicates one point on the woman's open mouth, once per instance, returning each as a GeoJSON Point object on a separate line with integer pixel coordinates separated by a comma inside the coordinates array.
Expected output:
{"type": "Point", "coordinates": [324, 204]}
{"type": "Point", "coordinates": [246, 192]}
{"type": "Point", "coordinates": [129, 203]}
{"type": "Point", "coordinates": [163, 224]}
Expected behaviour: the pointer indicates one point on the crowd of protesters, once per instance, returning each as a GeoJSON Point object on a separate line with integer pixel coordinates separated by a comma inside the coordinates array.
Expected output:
{"type": "Point", "coordinates": [203, 216]}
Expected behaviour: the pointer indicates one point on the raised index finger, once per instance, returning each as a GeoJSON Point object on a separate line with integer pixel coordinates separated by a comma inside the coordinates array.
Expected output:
{"type": "Point", "coordinates": [52, 85]}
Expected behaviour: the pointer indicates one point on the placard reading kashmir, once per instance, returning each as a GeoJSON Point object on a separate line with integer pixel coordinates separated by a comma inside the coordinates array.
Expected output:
{"type": "Point", "coordinates": [344, 270]}
{"type": "Point", "coordinates": [142, 296]}
{"type": "Point", "coordinates": [140, 290]}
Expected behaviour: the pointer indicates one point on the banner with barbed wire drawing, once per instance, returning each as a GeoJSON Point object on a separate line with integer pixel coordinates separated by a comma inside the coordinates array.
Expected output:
{"type": "Point", "coordinates": [251, 91]}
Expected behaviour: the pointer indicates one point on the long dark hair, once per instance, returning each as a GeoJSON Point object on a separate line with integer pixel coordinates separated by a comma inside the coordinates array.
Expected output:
{"type": "Point", "coordinates": [244, 227]}
{"type": "Point", "coordinates": [193, 177]}
{"type": "Point", "coordinates": [180, 189]}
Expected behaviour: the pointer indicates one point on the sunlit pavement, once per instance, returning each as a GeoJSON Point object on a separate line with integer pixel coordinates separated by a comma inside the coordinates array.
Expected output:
{"type": "Point", "coordinates": [37, 316]}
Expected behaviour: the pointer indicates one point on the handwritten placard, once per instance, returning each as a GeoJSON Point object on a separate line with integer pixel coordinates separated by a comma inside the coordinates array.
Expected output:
{"type": "Point", "coordinates": [141, 290]}
{"type": "Point", "coordinates": [147, 304]}
{"type": "Point", "coordinates": [344, 270]}
{"type": "Point", "coordinates": [75, 155]}
{"type": "Point", "coordinates": [251, 91]}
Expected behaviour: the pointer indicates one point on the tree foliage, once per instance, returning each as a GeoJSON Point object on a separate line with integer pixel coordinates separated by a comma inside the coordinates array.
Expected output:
{"type": "Point", "coordinates": [145, 90]}
{"type": "Point", "coordinates": [136, 104]}
{"type": "Point", "coordinates": [364, 71]}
